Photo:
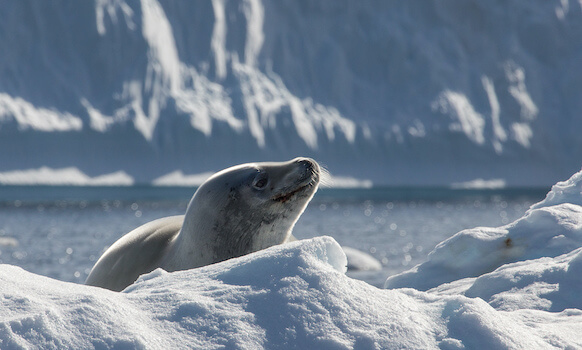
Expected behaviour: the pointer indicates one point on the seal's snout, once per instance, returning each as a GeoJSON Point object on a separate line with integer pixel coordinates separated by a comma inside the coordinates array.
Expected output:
{"type": "Point", "coordinates": [309, 168]}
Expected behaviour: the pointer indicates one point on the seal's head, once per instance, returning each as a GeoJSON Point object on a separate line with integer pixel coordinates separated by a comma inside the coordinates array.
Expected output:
{"type": "Point", "coordinates": [246, 208]}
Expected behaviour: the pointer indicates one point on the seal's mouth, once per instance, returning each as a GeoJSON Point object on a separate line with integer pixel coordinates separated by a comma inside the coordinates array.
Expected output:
{"type": "Point", "coordinates": [284, 197]}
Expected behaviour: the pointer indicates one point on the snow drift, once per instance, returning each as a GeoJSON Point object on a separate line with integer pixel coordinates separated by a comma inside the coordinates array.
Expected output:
{"type": "Point", "coordinates": [549, 228]}
{"type": "Point", "coordinates": [394, 92]}
{"type": "Point", "coordinates": [291, 296]}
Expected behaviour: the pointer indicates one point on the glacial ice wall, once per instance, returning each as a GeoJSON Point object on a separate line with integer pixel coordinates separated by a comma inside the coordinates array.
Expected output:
{"type": "Point", "coordinates": [395, 92]}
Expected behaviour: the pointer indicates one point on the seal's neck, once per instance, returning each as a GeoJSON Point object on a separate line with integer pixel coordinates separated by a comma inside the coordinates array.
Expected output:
{"type": "Point", "coordinates": [211, 235]}
{"type": "Point", "coordinates": [193, 246]}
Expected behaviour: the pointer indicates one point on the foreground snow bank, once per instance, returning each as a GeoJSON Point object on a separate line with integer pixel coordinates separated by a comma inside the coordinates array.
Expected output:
{"type": "Point", "coordinates": [290, 296]}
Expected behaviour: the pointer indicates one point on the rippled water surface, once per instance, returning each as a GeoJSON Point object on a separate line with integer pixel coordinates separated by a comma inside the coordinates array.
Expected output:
{"type": "Point", "coordinates": [61, 232]}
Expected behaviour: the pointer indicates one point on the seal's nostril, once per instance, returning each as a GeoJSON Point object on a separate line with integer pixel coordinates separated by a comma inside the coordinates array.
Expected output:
{"type": "Point", "coordinates": [308, 164]}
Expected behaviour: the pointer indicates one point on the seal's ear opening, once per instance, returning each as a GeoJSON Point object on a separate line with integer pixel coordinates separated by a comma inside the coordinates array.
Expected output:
{"type": "Point", "coordinates": [261, 181]}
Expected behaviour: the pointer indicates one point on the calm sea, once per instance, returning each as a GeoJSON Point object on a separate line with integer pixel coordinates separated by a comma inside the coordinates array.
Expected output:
{"type": "Point", "coordinates": [61, 231]}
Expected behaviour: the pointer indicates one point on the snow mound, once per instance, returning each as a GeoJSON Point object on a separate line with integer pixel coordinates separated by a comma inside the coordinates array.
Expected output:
{"type": "Point", "coordinates": [569, 191]}
{"type": "Point", "coordinates": [65, 176]}
{"type": "Point", "coordinates": [289, 296]}
{"type": "Point", "coordinates": [551, 284]}
{"type": "Point", "coordinates": [550, 228]}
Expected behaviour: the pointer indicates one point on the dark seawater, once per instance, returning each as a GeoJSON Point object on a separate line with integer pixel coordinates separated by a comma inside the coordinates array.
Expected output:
{"type": "Point", "coordinates": [60, 231]}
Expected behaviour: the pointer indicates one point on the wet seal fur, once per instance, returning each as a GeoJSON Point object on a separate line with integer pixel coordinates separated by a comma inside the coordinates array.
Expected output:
{"type": "Point", "coordinates": [237, 211]}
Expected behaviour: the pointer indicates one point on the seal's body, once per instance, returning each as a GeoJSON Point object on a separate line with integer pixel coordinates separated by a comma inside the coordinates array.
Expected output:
{"type": "Point", "coordinates": [237, 211]}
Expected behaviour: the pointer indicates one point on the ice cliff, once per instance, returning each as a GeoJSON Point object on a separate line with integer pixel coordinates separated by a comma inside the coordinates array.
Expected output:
{"type": "Point", "coordinates": [430, 93]}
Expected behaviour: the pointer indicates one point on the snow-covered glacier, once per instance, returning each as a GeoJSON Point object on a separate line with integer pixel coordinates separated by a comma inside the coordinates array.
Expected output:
{"type": "Point", "coordinates": [397, 93]}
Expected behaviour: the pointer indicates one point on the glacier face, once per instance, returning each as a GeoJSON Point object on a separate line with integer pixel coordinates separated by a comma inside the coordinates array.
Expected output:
{"type": "Point", "coordinates": [400, 93]}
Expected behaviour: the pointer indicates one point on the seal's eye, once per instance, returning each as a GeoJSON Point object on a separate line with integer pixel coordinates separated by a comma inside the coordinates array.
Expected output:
{"type": "Point", "coordinates": [261, 181]}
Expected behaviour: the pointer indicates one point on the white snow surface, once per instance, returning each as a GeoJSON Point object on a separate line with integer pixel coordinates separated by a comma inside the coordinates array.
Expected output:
{"type": "Point", "coordinates": [399, 93]}
{"type": "Point", "coordinates": [65, 176]}
{"type": "Point", "coordinates": [482, 293]}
